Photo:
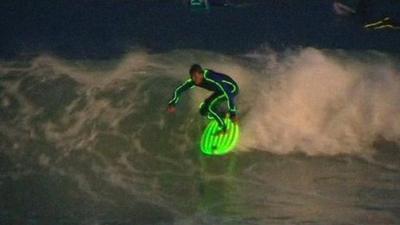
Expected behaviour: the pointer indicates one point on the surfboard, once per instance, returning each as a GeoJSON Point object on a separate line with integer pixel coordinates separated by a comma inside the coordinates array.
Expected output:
{"type": "Point", "coordinates": [219, 144]}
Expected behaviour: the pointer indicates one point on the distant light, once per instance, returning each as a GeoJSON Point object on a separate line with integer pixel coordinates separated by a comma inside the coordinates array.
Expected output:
{"type": "Point", "coordinates": [199, 4]}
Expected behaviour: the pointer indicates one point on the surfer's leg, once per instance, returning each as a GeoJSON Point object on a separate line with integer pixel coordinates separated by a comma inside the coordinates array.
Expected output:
{"type": "Point", "coordinates": [213, 111]}
{"type": "Point", "coordinates": [205, 105]}
{"type": "Point", "coordinates": [208, 108]}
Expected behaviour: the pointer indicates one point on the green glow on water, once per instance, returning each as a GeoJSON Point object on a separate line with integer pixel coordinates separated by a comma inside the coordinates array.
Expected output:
{"type": "Point", "coordinates": [212, 144]}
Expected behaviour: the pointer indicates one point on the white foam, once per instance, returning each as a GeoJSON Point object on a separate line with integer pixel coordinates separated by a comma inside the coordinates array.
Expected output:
{"type": "Point", "coordinates": [315, 103]}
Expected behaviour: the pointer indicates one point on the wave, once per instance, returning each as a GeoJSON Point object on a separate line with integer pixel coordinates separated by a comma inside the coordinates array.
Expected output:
{"type": "Point", "coordinates": [325, 102]}
{"type": "Point", "coordinates": [319, 102]}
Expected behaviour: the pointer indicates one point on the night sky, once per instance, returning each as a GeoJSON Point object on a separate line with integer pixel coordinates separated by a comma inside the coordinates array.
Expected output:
{"type": "Point", "coordinates": [111, 28]}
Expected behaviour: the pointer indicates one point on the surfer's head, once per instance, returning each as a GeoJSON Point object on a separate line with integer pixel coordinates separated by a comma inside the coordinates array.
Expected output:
{"type": "Point", "coordinates": [196, 73]}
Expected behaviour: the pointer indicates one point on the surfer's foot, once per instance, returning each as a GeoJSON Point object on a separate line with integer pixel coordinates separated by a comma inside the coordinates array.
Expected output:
{"type": "Point", "coordinates": [221, 131]}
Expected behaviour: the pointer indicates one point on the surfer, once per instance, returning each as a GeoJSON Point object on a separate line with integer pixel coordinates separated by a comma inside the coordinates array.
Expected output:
{"type": "Point", "coordinates": [224, 88]}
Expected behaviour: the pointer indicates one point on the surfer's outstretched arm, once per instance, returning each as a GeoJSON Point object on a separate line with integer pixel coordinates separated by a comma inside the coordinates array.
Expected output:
{"type": "Point", "coordinates": [179, 90]}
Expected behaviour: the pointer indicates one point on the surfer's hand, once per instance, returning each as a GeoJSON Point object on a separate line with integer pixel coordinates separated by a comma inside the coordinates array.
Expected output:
{"type": "Point", "coordinates": [171, 109]}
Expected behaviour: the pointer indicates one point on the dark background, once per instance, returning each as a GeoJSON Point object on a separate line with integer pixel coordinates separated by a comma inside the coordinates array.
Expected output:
{"type": "Point", "coordinates": [101, 29]}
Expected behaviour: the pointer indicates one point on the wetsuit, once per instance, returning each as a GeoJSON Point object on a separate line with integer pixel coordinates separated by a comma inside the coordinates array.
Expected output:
{"type": "Point", "coordinates": [224, 88]}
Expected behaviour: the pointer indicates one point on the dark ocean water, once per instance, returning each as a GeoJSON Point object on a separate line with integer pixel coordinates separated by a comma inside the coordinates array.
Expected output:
{"type": "Point", "coordinates": [85, 139]}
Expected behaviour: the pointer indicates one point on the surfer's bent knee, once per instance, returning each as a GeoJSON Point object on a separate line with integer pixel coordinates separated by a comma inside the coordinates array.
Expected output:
{"type": "Point", "coordinates": [203, 109]}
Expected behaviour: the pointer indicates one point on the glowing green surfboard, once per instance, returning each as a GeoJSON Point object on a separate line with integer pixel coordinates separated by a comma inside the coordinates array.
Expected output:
{"type": "Point", "coordinates": [212, 144]}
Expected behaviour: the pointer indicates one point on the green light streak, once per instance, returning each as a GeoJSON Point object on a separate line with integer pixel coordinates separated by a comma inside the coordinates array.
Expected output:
{"type": "Point", "coordinates": [212, 144]}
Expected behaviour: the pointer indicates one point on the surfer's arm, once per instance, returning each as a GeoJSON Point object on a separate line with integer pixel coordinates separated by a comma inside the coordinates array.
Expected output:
{"type": "Point", "coordinates": [179, 90]}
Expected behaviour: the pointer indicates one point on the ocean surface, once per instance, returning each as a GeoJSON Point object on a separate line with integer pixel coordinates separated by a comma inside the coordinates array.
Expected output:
{"type": "Point", "coordinates": [85, 138]}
